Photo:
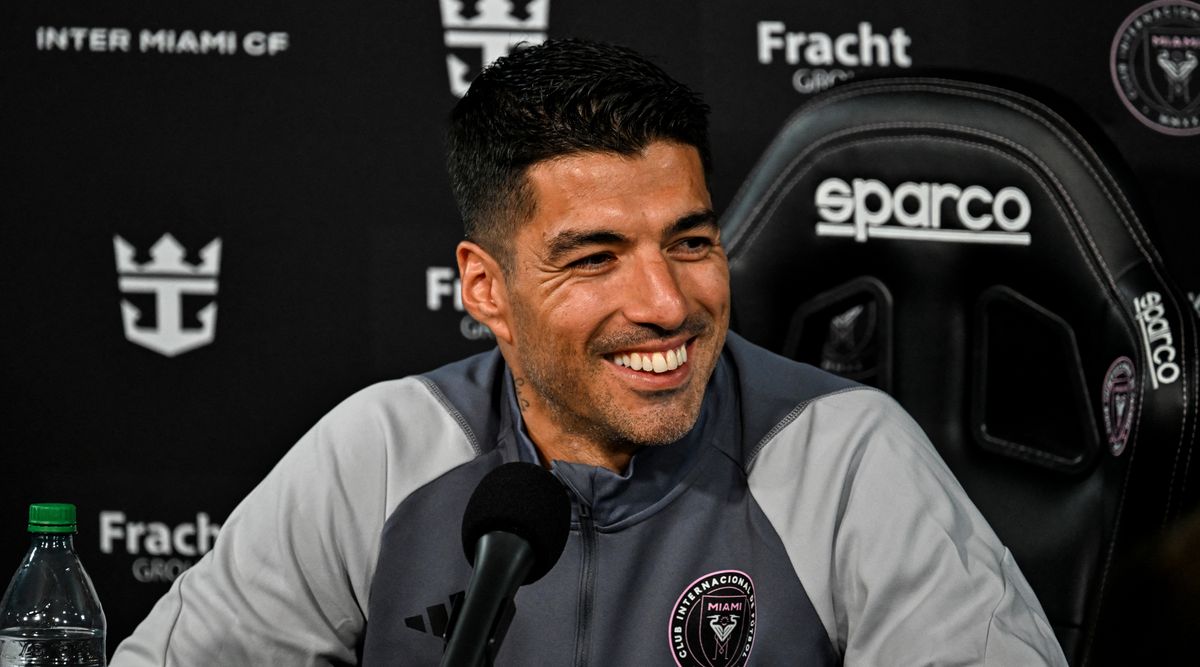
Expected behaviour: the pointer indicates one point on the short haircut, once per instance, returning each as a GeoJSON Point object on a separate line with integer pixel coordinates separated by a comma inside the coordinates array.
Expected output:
{"type": "Point", "coordinates": [562, 97]}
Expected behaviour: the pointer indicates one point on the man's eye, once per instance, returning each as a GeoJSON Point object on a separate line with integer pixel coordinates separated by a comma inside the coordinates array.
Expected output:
{"type": "Point", "coordinates": [592, 262]}
{"type": "Point", "coordinates": [695, 245]}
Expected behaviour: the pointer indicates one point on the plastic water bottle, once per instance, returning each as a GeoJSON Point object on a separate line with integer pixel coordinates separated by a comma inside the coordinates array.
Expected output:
{"type": "Point", "coordinates": [50, 614]}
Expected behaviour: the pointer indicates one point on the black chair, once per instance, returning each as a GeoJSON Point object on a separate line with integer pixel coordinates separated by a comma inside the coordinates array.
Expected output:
{"type": "Point", "coordinates": [962, 247]}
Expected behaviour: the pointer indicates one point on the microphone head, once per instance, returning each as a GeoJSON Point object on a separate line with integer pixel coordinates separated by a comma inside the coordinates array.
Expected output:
{"type": "Point", "coordinates": [525, 500]}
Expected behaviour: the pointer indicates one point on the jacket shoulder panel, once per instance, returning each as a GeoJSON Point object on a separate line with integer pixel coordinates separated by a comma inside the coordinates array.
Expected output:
{"type": "Point", "coordinates": [469, 391]}
{"type": "Point", "coordinates": [773, 391]}
{"type": "Point", "coordinates": [899, 564]}
{"type": "Point", "coordinates": [290, 575]}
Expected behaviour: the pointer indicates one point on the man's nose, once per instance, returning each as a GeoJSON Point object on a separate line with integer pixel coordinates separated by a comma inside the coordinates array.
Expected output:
{"type": "Point", "coordinates": [654, 295]}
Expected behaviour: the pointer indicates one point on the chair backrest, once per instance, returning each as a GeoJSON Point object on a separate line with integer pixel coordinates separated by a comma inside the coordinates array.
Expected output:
{"type": "Point", "coordinates": [963, 247]}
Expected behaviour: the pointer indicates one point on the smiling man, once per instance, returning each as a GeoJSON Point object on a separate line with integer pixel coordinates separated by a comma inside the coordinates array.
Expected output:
{"type": "Point", "coordinates": [729, 507]}
{"type": "Point", "coordinates": [615, 309]}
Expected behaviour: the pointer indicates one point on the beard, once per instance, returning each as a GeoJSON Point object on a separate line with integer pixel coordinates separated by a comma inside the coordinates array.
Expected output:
{"type": "Point", "coordinates": [582, 397]}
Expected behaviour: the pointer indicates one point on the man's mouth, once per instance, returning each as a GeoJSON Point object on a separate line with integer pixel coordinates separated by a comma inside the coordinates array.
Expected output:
{"type": "Point", "coordinates": [652, 362]}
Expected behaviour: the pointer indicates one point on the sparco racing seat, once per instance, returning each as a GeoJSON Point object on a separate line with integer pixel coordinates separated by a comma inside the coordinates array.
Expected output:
{"type": "Point", "coordinates": [963, 248]}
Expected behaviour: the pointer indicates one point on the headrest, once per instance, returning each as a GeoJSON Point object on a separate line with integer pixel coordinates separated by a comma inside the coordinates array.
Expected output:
{"type": "Point", "coordinates": [964, 248]}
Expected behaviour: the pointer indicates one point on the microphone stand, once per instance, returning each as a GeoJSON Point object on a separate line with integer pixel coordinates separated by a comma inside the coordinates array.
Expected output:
{"type": "Point", "coordinates": [502, 561]}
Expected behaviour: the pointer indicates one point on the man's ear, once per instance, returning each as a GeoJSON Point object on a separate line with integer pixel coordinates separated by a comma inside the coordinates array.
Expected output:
{"type": "Point", "coordinates": [484, 292]}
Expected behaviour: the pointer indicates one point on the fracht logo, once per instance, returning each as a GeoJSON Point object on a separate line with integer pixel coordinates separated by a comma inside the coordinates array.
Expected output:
{"type": "Point", "coordinates": [489, 29]}
{"type": "Point", "coordinates": [168, 277]}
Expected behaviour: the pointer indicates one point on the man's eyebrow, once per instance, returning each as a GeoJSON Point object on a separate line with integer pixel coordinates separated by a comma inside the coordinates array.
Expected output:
{"type": "Point", "coordinates": [568, 241]}
{"type": "Point", "coordinates": [691, 221]}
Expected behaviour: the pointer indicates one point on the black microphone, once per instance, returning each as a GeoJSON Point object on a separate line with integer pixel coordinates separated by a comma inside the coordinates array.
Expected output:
{"type": "Point", "coordinates": [513, 531]}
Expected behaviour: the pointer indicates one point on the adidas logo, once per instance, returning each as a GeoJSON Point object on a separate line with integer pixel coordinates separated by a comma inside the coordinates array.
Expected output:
{"type": "Point", "coordinates": [436, 617]}
{"type": "Point", "coordinates": [438, 620]}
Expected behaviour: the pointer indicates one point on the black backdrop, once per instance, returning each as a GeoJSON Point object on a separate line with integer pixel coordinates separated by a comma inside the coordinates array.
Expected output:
{"type": "Point", "coordinates": [307, 138]}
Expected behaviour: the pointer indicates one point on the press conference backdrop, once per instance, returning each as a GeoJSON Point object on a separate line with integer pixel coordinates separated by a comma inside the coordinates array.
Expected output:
{"type": "Point", "coordinates": [221, 218]}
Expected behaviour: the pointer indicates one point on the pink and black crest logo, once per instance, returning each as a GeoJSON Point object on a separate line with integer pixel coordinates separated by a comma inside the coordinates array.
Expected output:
{"type": "Point", "coordinates": [712, 623]}
{"type": "Point", "coordinates": [1117, 403]}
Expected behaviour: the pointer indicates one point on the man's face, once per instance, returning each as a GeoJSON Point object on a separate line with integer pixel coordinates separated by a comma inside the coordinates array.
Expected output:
{"type": "Point", "coordinates": [619, 297]}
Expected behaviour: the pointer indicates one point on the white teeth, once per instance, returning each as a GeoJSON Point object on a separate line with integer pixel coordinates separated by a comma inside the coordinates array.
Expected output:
{"type": "Point", "coordinates": [657, 362]}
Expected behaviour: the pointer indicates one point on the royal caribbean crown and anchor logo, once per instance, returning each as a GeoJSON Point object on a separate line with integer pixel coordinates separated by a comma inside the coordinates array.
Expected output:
{"type": "Point", "coordinates": [169, 278]}
{"type": "Point", "coordinates": [478, 32]}
{"type": "Point", "coordinates": [1154, 59]}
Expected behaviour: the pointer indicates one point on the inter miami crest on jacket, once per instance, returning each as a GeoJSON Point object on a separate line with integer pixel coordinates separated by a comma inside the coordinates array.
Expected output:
{"type": "Point", "coordinates": [712, 624]}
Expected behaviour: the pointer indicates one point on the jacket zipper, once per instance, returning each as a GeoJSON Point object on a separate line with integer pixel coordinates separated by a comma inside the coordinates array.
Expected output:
{"type": "Point", "coordinates": [587, 581]}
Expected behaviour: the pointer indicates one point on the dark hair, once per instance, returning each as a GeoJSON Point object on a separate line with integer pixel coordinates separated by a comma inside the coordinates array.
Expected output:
{"type": "Point", "coordinates": [558, 98]}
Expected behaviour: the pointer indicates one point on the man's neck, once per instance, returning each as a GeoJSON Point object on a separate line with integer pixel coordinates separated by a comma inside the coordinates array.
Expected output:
{"type": "Point", "coordinates": [556, 444]}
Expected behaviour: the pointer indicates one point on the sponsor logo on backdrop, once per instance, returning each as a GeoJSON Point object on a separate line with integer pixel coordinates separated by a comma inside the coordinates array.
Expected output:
{"type": "Point", "coordinates": [162, 551]}
{"type": "Point", "coordinates": [713, 622]}
{"type": "Point", "coordinates": [1154, 59]}
{"type": "Point", "coordinates": [160, 40]}
{"type": "Point", "coordinates": [169, 278]}
{"type": "Point", "coordinates": [442, 285]}
{"type": "Point", "coordinates": [1117, 403]}
{"type": "Point", "coordinates": [488, 30]}
{"type": "Point", "coordinates": [825, 59]}
{"type": "Point", "coordinates": [1156, 337]}
{"type": "Point", "coordinates": [865, 209]}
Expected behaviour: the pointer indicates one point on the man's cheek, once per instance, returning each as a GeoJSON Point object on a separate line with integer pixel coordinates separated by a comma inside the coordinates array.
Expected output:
{"type": "Point", "coordinates": [712, 289]}
{"type": "Point", "coordinates": [582, 307]}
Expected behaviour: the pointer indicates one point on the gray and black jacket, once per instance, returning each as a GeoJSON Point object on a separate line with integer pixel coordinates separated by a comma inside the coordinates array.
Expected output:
{"type": "Point", "coordinates": [805, 520]}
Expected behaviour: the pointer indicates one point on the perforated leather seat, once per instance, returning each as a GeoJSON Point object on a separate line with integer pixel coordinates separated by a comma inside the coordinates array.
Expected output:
{"type": "Point", "coordinates": [963, 248]}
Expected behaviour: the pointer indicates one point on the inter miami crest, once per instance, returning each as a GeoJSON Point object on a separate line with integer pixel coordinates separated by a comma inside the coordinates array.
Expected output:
{"type": "Point", "coordinates": [1117, 403]}
{"type": "Point", "coordinates": [712, 623]}
{"type": "Point", "coordinates": [1154, 61]}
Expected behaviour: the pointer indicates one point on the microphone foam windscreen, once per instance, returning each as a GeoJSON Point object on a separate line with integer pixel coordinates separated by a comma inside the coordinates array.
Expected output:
{"type": "Point", "coordinates": [523, 499]}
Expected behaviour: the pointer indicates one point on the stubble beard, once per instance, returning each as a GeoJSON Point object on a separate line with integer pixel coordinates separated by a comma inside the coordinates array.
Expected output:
{"type": "Point", "coordinates": [568, 392]}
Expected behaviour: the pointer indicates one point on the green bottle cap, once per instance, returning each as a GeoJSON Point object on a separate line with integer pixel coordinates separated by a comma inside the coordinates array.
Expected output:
{"type": "Point", "coordinates": [52, 518]}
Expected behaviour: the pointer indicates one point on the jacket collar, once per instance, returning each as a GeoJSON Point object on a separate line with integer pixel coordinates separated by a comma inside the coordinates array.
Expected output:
{"type": "Point", "coordinates": [617, 500]}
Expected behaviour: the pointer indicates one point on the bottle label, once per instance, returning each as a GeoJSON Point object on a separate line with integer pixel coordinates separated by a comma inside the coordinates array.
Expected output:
{"type": "Point", "coordinates": [21, 647]}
